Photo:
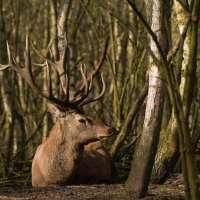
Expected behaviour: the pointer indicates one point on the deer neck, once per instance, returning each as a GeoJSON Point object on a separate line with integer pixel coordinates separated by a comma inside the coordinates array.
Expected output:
{"type": "Point", "coordinates": [64, 144]}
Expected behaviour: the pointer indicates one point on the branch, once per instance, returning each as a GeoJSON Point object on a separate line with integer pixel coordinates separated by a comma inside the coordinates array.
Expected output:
{"type": "Point", "coordinates": [152, 34]}
{"type": "Point", "coordinates": [172, 52]}
{"type": "Point", "coordinates": [130, 117]}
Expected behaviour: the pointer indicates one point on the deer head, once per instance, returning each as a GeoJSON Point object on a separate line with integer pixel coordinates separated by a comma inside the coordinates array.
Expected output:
{"type": "Point", "coordinates": [77, 127]}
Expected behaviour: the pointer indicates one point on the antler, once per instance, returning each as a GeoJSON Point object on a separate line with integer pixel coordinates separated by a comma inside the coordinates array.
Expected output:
{"type": "Point", "coordinates": [96, 69]}
{"type": "Point", "coordinates": [26, 73]}
{"type": "Point", "coordinates": [90, 100]}
{"type": "Point", "coordinates": [79, 100]}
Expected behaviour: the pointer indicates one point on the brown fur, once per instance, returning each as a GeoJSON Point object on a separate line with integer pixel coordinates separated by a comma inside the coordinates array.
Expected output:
{"type": "Point", "coordinates": [96, 166]}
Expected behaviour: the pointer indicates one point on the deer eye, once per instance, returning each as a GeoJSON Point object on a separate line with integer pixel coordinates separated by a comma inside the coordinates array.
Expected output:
{"type": "Point", "coordinates": [82, 121]}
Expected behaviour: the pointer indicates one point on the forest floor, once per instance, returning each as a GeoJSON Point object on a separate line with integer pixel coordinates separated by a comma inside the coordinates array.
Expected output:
{"type": "Point", "coordinates": [88, 192]}
{"type": "Point", "coordinates": [172, 190]}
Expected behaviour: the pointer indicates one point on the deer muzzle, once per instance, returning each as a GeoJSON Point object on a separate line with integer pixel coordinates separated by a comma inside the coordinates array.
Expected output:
{"type": "Point", "coordinates": [108, 133]}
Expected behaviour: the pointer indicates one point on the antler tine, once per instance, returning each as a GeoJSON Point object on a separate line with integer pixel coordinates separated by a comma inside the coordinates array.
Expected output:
{"type": "Point", "coordinates": [40, 65]}
{"type": "Point", "coordinates": [67, 88]}
{"type": "Point", "coordinates": [90, 100]}
{"type": "Point", "coordinates": [49, 83]}
{"type": "Point", "coordinates": [61, 67]}
{"type": "Point", "coordinates": [102, 59]}
{"type": "Point", "coordinates": [9, 52]}
{"type": "Point", "coordinates": [84, 92]}
{"type": "Point", "coordinates": [65, 79]}
{"type": "Point", "coordinates": [26, 72]}
{"type": "Point", "coordinates": [91, 80]}
{"type": "Point", "coordinates": [97, 67]}
{"type": "Point", "coordinates": [3, 67]}
{"type": "Point", "coordinates": [84, 78]}
{"type": "Point", "coordinates": [40, 55]}
{"type": "Point", "coordinates": [11, 61]}
{"type": "Point", "coordinates": [27, 58]}
{"type": "Point", "coordinates": [82, 95]}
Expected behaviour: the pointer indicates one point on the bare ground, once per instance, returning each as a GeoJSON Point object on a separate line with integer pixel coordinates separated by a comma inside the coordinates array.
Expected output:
{"type": "Point", "coordinates": [88, 192]}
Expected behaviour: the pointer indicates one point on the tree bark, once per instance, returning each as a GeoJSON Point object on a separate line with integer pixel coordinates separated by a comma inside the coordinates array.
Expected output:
{"type": "Point", "coordinates": [145, 152]}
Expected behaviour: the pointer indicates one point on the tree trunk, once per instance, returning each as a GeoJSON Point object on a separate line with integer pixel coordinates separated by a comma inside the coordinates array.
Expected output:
{"type": "Point", "coordinates": [145, 152]}
{"type": "Point", "coordinates": [168, 153]}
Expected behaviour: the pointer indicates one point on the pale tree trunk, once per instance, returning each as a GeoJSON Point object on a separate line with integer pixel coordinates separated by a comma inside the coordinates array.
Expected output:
{"type": "Point", "coordinates": [182, 17]}
{"type": "Point", "coordinates": [182, 109]}
{"type": "Point", "coordinates": [62, 25]}
{"type": "Point", "coordinates": [168, 153]}
{"type": "Point", "coordinates": [145, 152]}
{"type": "Point", "coordinates": [114, 85]}
{"type": "Point", "coordinates": [54, 28]}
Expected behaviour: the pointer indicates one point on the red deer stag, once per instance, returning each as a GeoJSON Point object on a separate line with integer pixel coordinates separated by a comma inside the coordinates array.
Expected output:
{"type": "Point", "coordinates": [72, 154]}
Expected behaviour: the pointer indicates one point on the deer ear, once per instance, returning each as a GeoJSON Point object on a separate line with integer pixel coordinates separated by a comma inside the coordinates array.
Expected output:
{"type": "Point", "coordinates": [55, 111]}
